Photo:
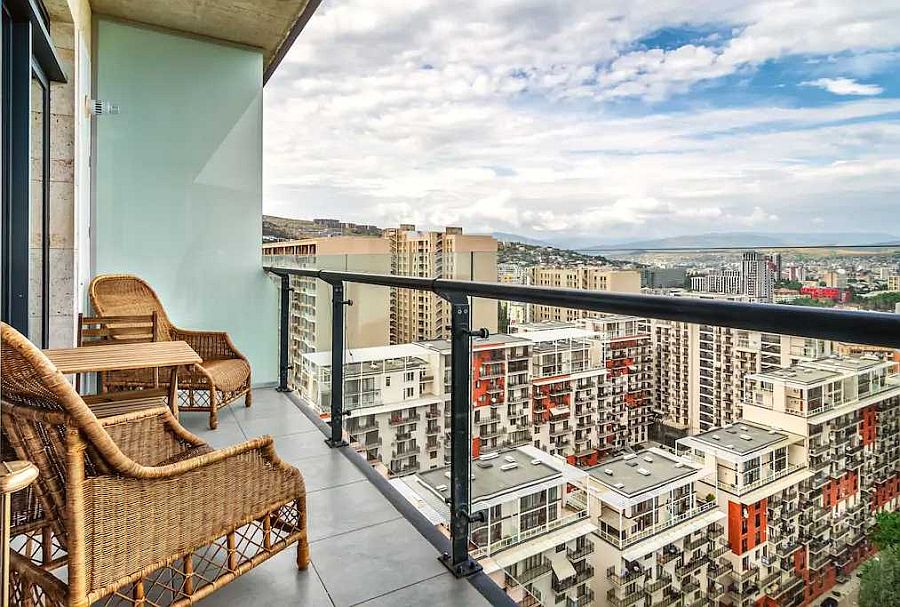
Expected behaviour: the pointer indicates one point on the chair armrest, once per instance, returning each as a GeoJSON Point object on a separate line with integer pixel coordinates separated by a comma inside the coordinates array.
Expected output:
{"type": "Point", "coordinates": [150, 436]}
{"type": "Point", "coordinates": [210, 345]}
{"type": "Point", "coordinates": [137, 521]}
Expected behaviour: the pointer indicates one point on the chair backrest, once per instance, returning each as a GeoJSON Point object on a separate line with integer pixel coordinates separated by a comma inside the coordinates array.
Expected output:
{"type": "Point", "coordinates": [127, 295]}
{"type": "Point", "coordinates": [101, 330]}
{"type": "Point", "coordinates": [39, 409]}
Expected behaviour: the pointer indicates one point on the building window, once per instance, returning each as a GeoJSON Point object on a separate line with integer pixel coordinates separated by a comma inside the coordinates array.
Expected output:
{"type": "Point", "coordinates": [387, 381]}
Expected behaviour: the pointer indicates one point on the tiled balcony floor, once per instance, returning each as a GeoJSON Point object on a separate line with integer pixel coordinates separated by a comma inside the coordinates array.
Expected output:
{"type": "Point", "coordinates": [364, 552]}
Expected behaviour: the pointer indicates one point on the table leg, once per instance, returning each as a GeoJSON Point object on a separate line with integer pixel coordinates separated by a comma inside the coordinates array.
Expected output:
{"type": "Point", "coordinates": [173, 391]}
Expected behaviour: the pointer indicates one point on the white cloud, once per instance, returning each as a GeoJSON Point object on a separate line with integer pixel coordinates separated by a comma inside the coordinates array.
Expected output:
{"type": "Point", "coordinates": [845, 86]}
{"type": "Point", "coordinates": [530, 116]}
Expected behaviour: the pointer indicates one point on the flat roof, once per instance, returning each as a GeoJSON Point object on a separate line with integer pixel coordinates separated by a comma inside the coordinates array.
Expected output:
{"type": "Point", "coordinates": [741, 437]}
{"type": "Point", "coordinates": [822, 370]}
{"type": "Point", "coordinates": [633, 474]}
{"type": "Point", "coordinates": [509, 470]}
{"type": "Point", "coordinates": [365, 355]}
{"type": "Point", "coordinates": [548, 335]}
{"type": "Point", "coordinates": [498, 339]}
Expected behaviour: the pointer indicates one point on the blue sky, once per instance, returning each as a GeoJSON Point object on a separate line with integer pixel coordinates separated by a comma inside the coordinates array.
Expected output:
{"type": "Point", "coordinates": [595, 122]}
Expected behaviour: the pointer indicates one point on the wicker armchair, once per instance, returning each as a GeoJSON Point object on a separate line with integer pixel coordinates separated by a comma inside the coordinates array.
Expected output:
{"type": "Point", "coordinates": [222, 377]}
{"type": "Point", "coordinates": [140, 510]}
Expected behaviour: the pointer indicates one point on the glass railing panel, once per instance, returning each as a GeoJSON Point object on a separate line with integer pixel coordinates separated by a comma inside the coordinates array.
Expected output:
{"type": "Point", "coordinates": [555, 403]}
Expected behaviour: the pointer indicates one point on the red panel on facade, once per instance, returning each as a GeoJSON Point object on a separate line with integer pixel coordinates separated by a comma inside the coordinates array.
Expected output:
{"type": "Point", "coordinates": [739, 540]}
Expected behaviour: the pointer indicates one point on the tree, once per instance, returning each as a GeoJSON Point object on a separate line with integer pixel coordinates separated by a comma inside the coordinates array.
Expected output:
{"type": "Point", "coordinates": [887, 530]}
{"type": "Point", "coordinates": [879, 583]}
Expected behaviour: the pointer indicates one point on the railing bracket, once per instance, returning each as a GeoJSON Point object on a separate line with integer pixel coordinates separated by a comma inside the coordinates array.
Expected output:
{"type": "Point", "coordinates": [460, 570]}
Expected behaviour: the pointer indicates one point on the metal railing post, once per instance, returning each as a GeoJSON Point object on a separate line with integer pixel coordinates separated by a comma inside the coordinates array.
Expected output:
{"type": "Point", "coordinates": [337, 364]}
{"type": "Point", "coordinates": [284, 364]}
{"type": "Point", "coordinates": [458, 561]}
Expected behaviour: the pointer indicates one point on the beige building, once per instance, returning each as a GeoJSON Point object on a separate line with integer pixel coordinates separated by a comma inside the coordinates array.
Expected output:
{"type": "Point", "coordinates": [700, 371]}
{"type": "Point", "coordinates": [893, 282]}
{"type": "Point", "coordinates": [421, 315]}
{"type": "Point", "coordinates": [588, 278]}
{"type": "Point", "coordinates": [365, 325]}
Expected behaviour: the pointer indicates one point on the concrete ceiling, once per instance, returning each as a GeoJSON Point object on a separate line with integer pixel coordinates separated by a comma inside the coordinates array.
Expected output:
{"type": "Point", "coordinates": [270, 25]}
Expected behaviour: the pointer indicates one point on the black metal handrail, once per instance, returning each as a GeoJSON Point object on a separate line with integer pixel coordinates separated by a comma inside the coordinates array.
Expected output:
{"type": "Point", "coordinates": [869, 328]}
{"type": "Point", "coordinates": [857, 327]}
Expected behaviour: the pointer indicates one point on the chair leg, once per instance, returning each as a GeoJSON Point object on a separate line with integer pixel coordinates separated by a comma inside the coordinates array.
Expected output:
{"type": "Point", "coordinates": [248, 399]}
{"type": "Point", "coordinates": [213, 409]}
{"type": "Point", "coordinates": [303, 542]}
{"type": "Point", "coordinates": [303, 552]}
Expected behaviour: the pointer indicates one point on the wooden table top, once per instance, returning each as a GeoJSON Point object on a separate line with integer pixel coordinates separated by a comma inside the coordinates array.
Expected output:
{"type": "Point", "coordinates": [122, 357]}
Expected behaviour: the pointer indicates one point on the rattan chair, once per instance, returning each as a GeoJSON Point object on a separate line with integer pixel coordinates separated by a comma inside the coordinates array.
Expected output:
{"type": "Point", "coordinates": [222, 377]}
{"type": "Point", "coordinates": [141, 511]}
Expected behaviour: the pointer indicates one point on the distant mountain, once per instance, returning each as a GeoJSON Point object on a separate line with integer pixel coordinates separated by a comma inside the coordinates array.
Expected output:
{"type": "Point", "coordinates": [755, 239]}
{"type": "Point", "coordinates": [506, 237]}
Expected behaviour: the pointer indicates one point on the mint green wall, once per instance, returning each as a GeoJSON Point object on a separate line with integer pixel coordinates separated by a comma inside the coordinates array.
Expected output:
{"type": "Point", "coordinates": [178, 182]}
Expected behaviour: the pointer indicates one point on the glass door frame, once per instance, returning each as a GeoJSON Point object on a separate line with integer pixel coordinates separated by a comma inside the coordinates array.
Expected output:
{"type": "Point", "coordinates": [28, 55]}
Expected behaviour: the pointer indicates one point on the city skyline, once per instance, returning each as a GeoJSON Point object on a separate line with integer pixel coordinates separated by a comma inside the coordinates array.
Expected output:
{"type": "Point", "coordinates": [625, 122]}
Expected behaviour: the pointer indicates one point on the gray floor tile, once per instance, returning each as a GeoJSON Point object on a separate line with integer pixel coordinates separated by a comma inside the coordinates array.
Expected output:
{"type": "Point", "coordinates": [274, 583]}
{"type": "Point", "coordinates": [224, 436]}
{"type": "Point", "coordinates": [382, 558]}
{"type": "Point", "coordinates": [441, 591]}
{"type": "Point", "coordinates": [281, 425]}
{"type": "Point", "coordinates": [347, 508]}
{"type": "Point", "coordinates": [298, 447]}
{"type": "Point", "coordinates": [328, 471]}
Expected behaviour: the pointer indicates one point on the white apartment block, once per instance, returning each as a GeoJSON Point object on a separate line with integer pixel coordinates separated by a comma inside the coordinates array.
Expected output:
{"type": "Point", "coordinates": [536, 538]}
{"type": "Point", "coordinates": [718, 281]}
{"type": "Point", "coordinates": [802, 475]}
{"type": "Point", "coordinates": [396, 417]}
{"type": "Point", "coordinates": [573, 392]}
{"type": "Point", "coordinates": [661, 539]}
{"type": "Point", "coordinates": [757, 275]}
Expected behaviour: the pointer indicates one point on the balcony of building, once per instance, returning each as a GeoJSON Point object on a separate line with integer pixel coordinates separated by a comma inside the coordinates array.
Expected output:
{"type": "Point", "coordinates": [367, 544]}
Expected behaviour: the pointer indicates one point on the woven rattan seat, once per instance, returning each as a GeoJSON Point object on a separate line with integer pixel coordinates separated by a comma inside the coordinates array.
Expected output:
{"type": "Point", "coordinates": [132, 508]}
{"type": "Point", "coordinates": [222, 377]}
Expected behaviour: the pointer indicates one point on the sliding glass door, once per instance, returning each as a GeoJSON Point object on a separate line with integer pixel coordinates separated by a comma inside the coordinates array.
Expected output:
{"type": "Point", "coordinates": [28, 64]}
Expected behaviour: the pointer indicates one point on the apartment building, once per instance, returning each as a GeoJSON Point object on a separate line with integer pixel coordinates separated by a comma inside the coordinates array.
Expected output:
{"type": "Point", "coordinates": [758, 272]}
{"type": "Point", "coordinates": [394, 414]}
{"type": "Point", "coordinates": [501, 389]}
{"type": "Point", "coordinates": [365, 325]}
{"type": "Point", "coordinates": [662, 539]}
{"type": "Point", "coordinates": [421, 315]}
{"type": "Point", "coordinates": [755, 278]}
{"type": "Point", "coordinates": [756, 472]}
{"type": "Point", "coordinates": [663, 278]}
{"type": "Point", "coordinates": [398, 399]}
{"type": "Point", "coordinates": [588, 278]}
{"type": "Point", "coordinates": [626, 354]}
{"type": "Point", "coordinates": [893, 282]}
{"type": "Point", "coordinates": [802, 475]}
{"type": "Point", "coordinates": [535, 536]}
{"type": "Point", "coordinates": [574, 392]}
{"type": "Point", "coordinates": [718, 281]}
{"type": "Point", "coordinates": [700, 371]}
